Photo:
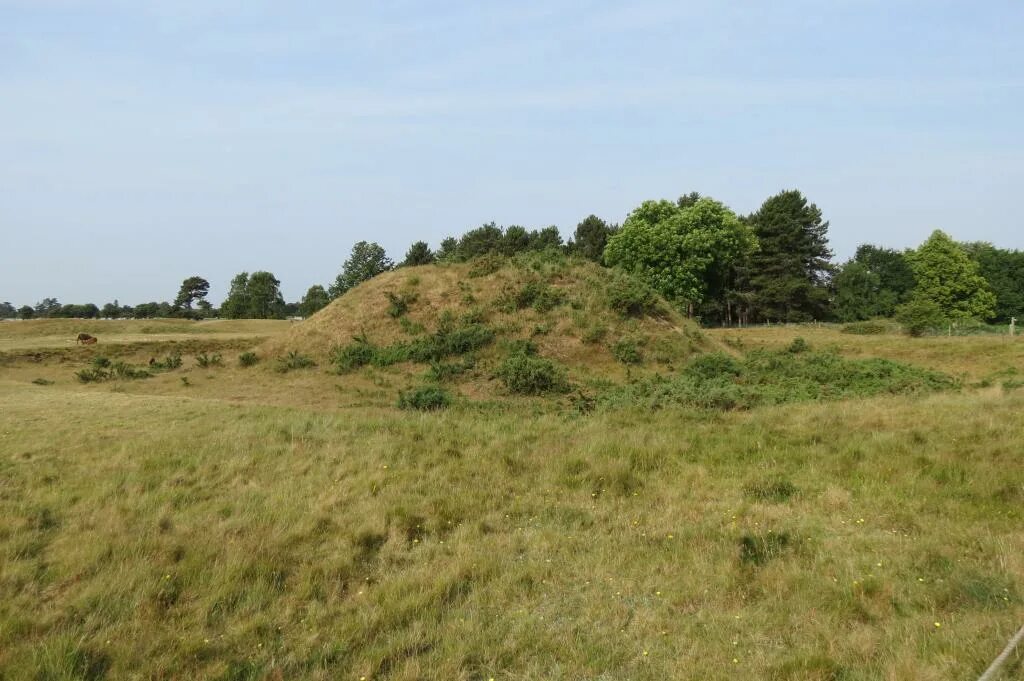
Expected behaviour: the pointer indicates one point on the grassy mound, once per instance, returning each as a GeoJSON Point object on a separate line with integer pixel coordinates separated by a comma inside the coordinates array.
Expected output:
{"type": "Point", "coordinates": [461, 323]}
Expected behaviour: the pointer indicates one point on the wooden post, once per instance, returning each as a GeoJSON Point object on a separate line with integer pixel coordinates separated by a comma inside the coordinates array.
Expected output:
{"type": "Point", "coordinates": [1013, 326]}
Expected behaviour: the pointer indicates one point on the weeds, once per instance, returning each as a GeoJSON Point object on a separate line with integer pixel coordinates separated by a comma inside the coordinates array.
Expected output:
{"type": "Point", "coordinates": [398, 304]}
{"type": "Point", "coordinates": [426, 398]}
{"type": "Point", "coordinates": [248, 359]}
{"type": "Point", "coordinates": [447, 341]}
{"type": "Point", "coordinates": [103, 369]}
{"type": "Point", "coordinates": [205, 361]}
{"type": "Point", "coordinates": [627, 351]}
{"type": "Point", "coordinates": [525, 374]}
{"type": "Point", "coordinates": [292, 361]}
{"type": "Point", "coordinates": [168, 363]}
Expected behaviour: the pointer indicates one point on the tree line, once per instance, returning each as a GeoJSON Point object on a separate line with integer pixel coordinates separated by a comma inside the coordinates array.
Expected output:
{"type": "Point", "coordinates": [773, 265]}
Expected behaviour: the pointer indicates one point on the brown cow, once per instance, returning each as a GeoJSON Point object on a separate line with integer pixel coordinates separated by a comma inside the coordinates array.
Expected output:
{"type": "Point", "coordinates": [85, 339]}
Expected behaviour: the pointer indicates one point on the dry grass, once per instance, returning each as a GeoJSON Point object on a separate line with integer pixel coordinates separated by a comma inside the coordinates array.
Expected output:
{"type": "Point", "coordinates": [253, 525]}
{"type": "Point", "coordinates": [60, 333]}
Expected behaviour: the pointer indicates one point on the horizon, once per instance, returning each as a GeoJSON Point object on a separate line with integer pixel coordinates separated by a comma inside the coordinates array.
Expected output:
{"type": "Point", "coordinates": [144, 145]}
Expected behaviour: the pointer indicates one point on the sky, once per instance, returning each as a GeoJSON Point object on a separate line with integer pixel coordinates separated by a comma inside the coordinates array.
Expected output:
{"type": "Point", "coordinates": [145, 142]}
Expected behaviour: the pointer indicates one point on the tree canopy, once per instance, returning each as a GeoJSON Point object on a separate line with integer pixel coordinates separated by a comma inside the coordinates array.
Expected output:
{"type": "Point", "coordinates": [682, 252]}
{"type": "Point", "coordinates": [947, 276]}
{"type": "Point", "coordinates": [368, 259]}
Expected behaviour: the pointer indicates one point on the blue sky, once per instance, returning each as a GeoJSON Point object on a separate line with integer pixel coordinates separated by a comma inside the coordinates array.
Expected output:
{"type": "Point", "coordinates": [144, 142]}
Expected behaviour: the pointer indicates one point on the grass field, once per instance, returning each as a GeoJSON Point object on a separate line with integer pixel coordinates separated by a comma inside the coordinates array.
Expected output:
{"type": "Point", "coordinates": [236, 523]}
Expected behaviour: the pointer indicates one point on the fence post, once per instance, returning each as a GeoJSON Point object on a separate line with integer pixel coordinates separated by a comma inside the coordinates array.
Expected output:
{"type": "Point", "coordinates": [1013, 326]}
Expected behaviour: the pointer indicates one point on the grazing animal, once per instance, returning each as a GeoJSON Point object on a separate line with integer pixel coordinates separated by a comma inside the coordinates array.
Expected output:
{"type": "Point", "coordinates": [85, 339]}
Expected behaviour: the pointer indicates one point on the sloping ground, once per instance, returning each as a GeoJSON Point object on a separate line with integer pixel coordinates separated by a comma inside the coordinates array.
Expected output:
{"type": "Point", "coordinates": [597, 323]}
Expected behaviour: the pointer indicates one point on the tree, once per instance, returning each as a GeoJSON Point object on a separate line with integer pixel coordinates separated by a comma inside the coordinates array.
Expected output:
{"type": "Point", "coordinates": [47, 308]}
{"type": "Point", "coordinates": [872, 284]}
{"type": "Point", "coordinates": [448, 250]}
{"type": "Point", "coordinates": [683, 253]}
{"type": "Point", "coordinates": [7, 311]}
{"type": "Point", "coordinates": [316, 299]}
{"type": "Point", "coordinates": [265, 300]}
{"type": "Point", "coordinates": [788, 275]}
{"type": "Point", "coordinates": [26, 312]}
{"type": "Point", "coordinates": [236, 305]}
{"type": "Point", "coordinates": [485, 239]}
{"type": "Point", "coordinates": [111, 310]}
{"type": "Point", "coordinates": [545, 239]}
{"type": "Point", "coordinates": [192, 289]}
{"type": "Point", "coordinates": [368, 259]}
{"type": "Point", "coordinates": [1004, 271]}
{"type": "Point", "coordinates": [920, 315]}
{"type": "Point", "coordinates": [418, 254]}
{"type": "Point", "coordinates": [947, 276]}
{"type": "Point", "coordinates": [590, 238]}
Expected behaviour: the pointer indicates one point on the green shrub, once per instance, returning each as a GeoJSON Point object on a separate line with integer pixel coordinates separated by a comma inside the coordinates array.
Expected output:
{"type": "Point", "coordinates": [717, 381]}
{"type": "Point", "coordinates": [594, 334]}
{"type": "Point", "coordinates": [103, 369]}
{"type": "Point", "coordinates": [631, 297]}
{"type": "Point", "coordinates": [448, 341]}
{"type": "Point", "coordinates": [627, 352]}
{"type": "Point", "coordinates": [797, 346]}
{"type": "Point", "coordinates": [524, 374]}
{"type": "Point", "coordinates": [41, 381]}
{"type": "Point", "coordinates": [358, 353]}
{"type": "Point", "coordinates": [426, 398]}
{"type": "Point", "coordinates": [168, 363]}
{"type": "Point", "coordinates": [410, 327]}
{"type": "Point", "coordinates": [247, 359]}
{"type": "Point", "coordinates": [446, 371]}
{"type": "Point", "coordinates": [398, 305]}
{"type": "Point", "coordinates": [292, 361]}
{"type": "Point", "coordinates": [205, 361]}
{"type": "Point", "coordinates": [486, 264]}
{"type": "Point", "coordinates": [920, 316]}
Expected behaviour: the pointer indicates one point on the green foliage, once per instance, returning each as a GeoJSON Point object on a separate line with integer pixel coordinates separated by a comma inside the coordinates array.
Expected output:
{"type": "Point", "coordinates": [41, 381]}
{"type": "Point", "coordinates": [626, 351]}
{"type": "Point", "coordinates": [292, 361]}
{"type": "Point", "coordinates": [316, 299]}
{"type": "Point", "coordinates": [418, 254]}
{"type": "Point", "coordinates": [410, 327]}
{"type": "Point", "coordinates": [947, 277]}
{"type": "Point", "coordinates": [441, 372]}
{"type": "Point", "coordinates": [254, 296]}
{"type": "Point", "coordinates": [526, 374]}
{"type": "Point", "coordinates": [26, 312]}
{"type": "Point", "coordinates": [869, 328]}
{"type": "Point", "coordinates": [1003, 270]}
{"type": "Point", "coordinates": [798, 345]}
{"type": "Point", "coordinates": [535, 293]}
{"type": "Point", "coordinates": [367, 260]}
{"type": "Point", "coordinates": [425, 398]}
{"type": "Point", "coordinates": [205, 361]}
{"type": "Point", "coordinates": [920, 316]}
{"type": "Point", "coordinates": [871, 284]}
{"type": "Point", "coordinates": [192, 289]}
{"type": "Point", "coordinates": [447, 341]}
{"type": "Point", "coordinates": [103, 369]}
{"type": "Point", "coordinates": [682, 252]}
{"type": "Point", "coordinates": [631, 297]}
{"type": "Point", "coordinates": [169, 363]}
{"type": "Point", "coordinates": [591, 238]}
{"type": "Point", "coordinates": [485, 265]}
{"type": "Point", "coordinates": [490, 240]}
{"type": "Point", "coordinates": [398, 304]}
{"type": "Point", "coordinates": [718, 381]}
{"type": "Point", "coordinates": [248, 359]}
{"type": "Point", "coordinates": [787, 276]}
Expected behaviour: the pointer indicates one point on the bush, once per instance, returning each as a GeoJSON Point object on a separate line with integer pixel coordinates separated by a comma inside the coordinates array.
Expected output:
{"type": "Point", "coordinates": [486, 264]}
{"type": "Point", "coordinates": [247, 359]}
{"type": "Point", "coordinates": [103, 369]}
{"type": "Point", "coordinates": [717, 381]}
{"type": "Point", "coordinates": [168, 363]}
{"type": "Point", "coordinates": [293, 360]}
{"type": "Point", "coordinates": [205, 361]}
{"type": "Point", "coordinates": [524, 374]}
{"type": "Point", "coordinates": [627, 352]}
{"type": "Point", "coordinates": [426, 398]}
{"type": "Point", "coordinates": [797, 346]}
{"type": "Point", "coordinates": [441, 372]}
{"type": "Point", "coordinates": [448, 341]}
{"type": "Point", "coordinates": [398, 305]}
{"type": "Point", "coordinates": [631, 297]}
{"type": "Point", "coordinates": [920, 316]}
